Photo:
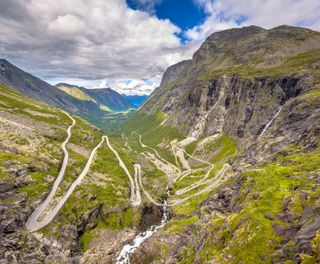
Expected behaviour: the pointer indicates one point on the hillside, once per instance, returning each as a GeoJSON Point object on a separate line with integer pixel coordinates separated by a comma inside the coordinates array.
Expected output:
{"type": "Point", "coordinates": [248, 100]}
{"type": "Point", "coordinates": [95, 106]}
{"type": "Point", "coordinates": [31, 157]}
{"type": "Point", "coordinates": [106, 98]}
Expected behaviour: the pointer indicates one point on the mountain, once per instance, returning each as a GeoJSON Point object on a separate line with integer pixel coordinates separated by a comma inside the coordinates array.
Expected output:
{"type": "Point", "coordinates": [34, 87]}
{"type": "Point", "coordinates": [93, 105]}
{"type": "Point", "coordinates": [31, 157]}
{"type": "Point", "coordinates": [104, 98]}
{"type": "Point", "coordinates": [219, 165]}
{"type": "Point", "coordinates": [229, 58]}
{"type": "Point", "coordinates": [136, 100]}
{"type": "Point", "coordinates": [248, 99]}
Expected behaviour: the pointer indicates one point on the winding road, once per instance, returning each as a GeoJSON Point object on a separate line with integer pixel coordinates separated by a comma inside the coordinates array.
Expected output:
{"type": "Point", "coordinates": [34, 223]}
{"type": "Point", "coordinates": [135, 196]}
{"type": "Point", "coordinates": [211, 183]}
{"type": "Point", "coordinates": [43, 216]}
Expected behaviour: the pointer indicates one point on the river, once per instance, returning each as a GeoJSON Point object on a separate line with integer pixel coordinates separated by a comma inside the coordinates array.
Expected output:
{"type": "Point", "coordinates": [128, 249]}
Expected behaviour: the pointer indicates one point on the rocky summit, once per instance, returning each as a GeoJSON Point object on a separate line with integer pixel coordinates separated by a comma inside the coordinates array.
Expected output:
{"type": "Point", "coordinates": [221, 164]}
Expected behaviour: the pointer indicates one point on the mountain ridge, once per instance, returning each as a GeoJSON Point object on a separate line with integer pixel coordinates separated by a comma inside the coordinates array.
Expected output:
{"type": "Point", "coordinates": [249, 98]}
{"type": "Point", "coordinates": [102, 96]}
{"type": "Point", "coordinates": [198, 74]}
{"type": "Point", "coordinates": [94, 106]}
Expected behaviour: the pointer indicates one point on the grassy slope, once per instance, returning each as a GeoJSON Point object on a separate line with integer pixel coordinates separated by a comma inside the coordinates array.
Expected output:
{"type": "Point", "coordinates": [77, 93]}
{"type": "Point", "coordinates": [153, 133]}
{"type": "Point", "coordinates": [296, 65]}
{"type": "Point", "coordinates": [107, 120]}
{"type": "Point", "coordinates": [248, 235]}
{"type": "Point", "coordinates": [105, 190]}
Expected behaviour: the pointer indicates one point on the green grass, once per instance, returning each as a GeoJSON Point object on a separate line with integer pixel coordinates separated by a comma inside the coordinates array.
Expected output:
{"type": "Point", "coordinates": [294, 65]}
{"type": "Point", "coordinates": [220, 148]}
{"type": "Point", "coordinates": [191, 147]}
{"type": "Point", "coordinates": [76, 93]}
{"type": "Point", "coordinates": [312, 97]}
{"type": "Point", "coordinates": [149, 126]}
{"type": "Point", "coordinates": [223, 147]}
{"type": "Point", "coordinates": [153, 133]}
{"type": "Point", "coordinates": [176, 226]}
{"type": "Point", "coordinates": [248, 235]}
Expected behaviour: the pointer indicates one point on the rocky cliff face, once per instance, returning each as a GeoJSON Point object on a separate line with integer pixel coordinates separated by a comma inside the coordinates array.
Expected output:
{"type": "Point", "coordinates": [237, 80]}
{"type": "Point", "coordinates": [174, 71]}
{"type": "Point", "coordinates": [261, 89]}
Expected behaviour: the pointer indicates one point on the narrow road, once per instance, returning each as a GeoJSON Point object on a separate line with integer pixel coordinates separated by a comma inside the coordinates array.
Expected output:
{"type": "Point", "coordinates": [196, 184]}
{"type": "Point", "coordinates": [32, 223]}
{"type": "Point", "coordinates": [178, 154]}
{"type": "Point", "coordinates": [157, 154]}
{"type": "Point", "coordinates": [138, 167]}
{"type": "Point", "coordinates": [220, 177]}
{"type": "Point", "coordinates": [211, 183]}
{"type": "Point", "coordinates": [135, 197]}
{"type": "Point", "coordinates": [125, 138]}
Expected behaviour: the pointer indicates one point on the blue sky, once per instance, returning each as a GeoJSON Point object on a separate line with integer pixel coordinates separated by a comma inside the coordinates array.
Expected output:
{"type": "Point", "coordinates": [185, 14]}
{"type": "Point", "coordinates": [128, 44]}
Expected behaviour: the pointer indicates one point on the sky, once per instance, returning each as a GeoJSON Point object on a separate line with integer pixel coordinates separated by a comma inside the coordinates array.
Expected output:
{"type": "Point", "coordinates": [127, 44]}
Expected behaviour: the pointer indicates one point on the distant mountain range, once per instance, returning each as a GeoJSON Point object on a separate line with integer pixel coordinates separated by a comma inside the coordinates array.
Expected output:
{"type": "Point", "coordinates": [91, 104]}
{"type": "Point", "coordinates": [106, 98]}
{"type": "Point", "coordinates": [136, 100]}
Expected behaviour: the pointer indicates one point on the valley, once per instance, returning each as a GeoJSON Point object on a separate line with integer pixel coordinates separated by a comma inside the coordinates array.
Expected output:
{"type": "Point", "coordinates": [219, 165]}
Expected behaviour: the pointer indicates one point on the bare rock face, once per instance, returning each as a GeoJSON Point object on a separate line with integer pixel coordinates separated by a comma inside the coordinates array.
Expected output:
{"type": "Point", "coordinates": [106, 248]}
{"type": "Point", "coordinates": [174, 71]}
{"type": "Point", "coordinates": [261, 88]}
{"type": "Point", "coordinates": [212, 93]}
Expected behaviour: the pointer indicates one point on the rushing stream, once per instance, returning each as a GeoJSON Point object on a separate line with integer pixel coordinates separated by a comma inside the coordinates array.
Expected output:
{"type": "Point", "coordinates": [124, 256]}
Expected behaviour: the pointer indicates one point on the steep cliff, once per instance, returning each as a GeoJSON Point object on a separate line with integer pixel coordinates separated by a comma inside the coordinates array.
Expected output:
{"type": "Point", "coordinates": [249, 98]}
{"type": "Point", "coordinates": [237, 80]}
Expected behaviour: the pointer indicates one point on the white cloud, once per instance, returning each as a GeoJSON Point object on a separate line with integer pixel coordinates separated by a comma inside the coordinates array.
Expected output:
{"type": "Point", "coordinates": [134, 87]}
{"type": "Point", "coordinates": [224, 14]}
{"type": "Point", "coordinates": [94, 39]}
{"type": "Point", "coordinates": [102, 84]}
{"type": "Point", "coordinates": [147, 5]}
{"type": "Point", "coordinates": [67, 24]}
{"type": "Point", "coordinates": [122, 86]}
{"type": "Point", "coordinates": [96, 43]}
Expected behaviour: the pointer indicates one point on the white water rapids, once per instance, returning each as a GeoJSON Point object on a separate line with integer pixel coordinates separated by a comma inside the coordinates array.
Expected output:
{"type": "Point", "coordinates": [124, 256]}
